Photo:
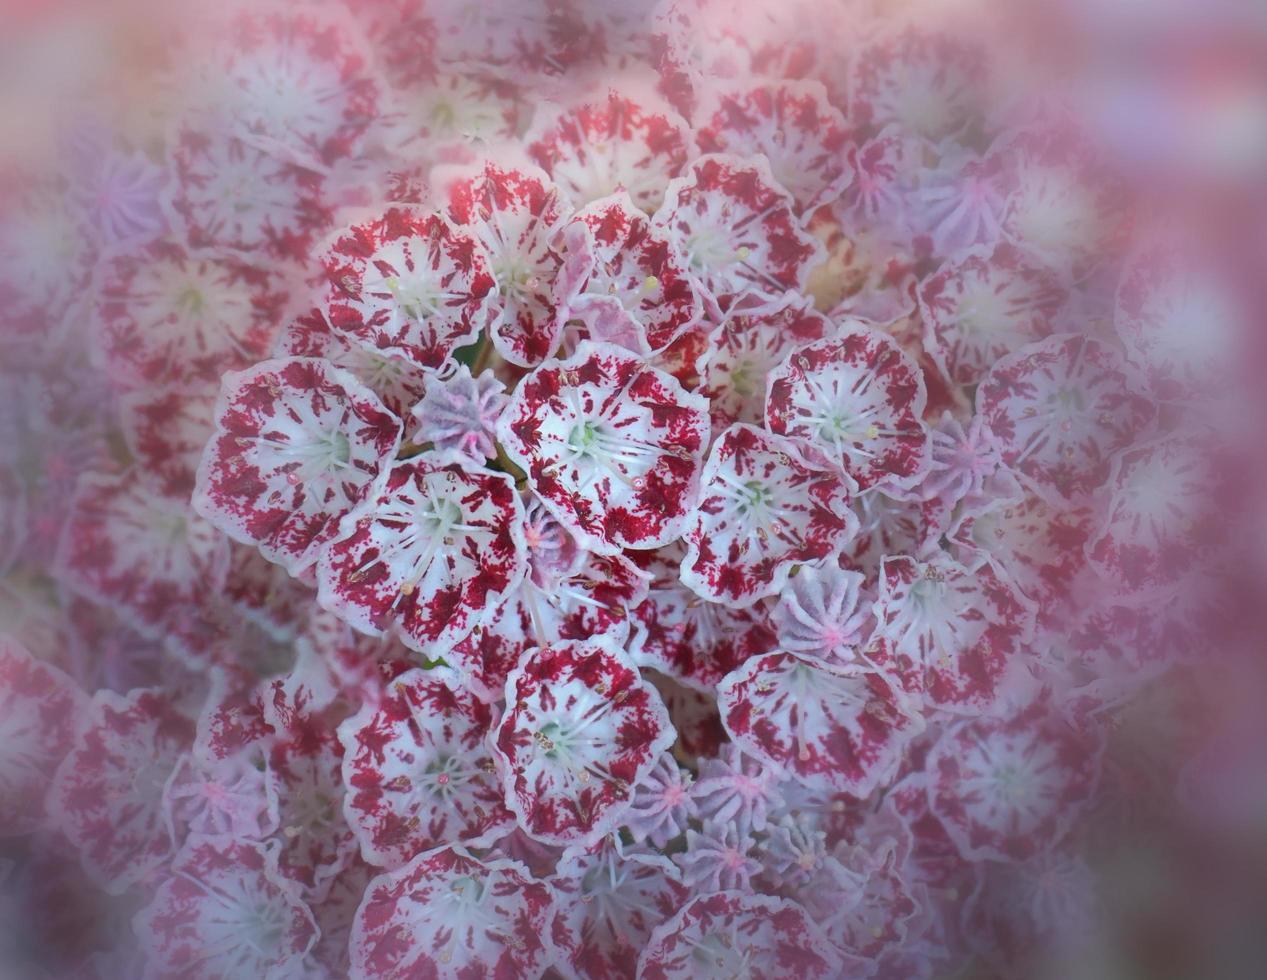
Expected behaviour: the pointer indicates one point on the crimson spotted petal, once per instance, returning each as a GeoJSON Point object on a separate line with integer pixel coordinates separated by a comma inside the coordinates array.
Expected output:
{"type": "Point", "coordinates": [450, 916]}
{"type": "Point", "coordinates": [860, 398]}
{"type": "Point", "coordinates": [832, 728]}
{"type": "Point", "coordinates": [581, 728]}
{"type": "Point", "coordinates": [435, 551]}
{"type": "Point", "coordinates": [166, 314]}
{"type": "Point", "coordinates": [299, 443]}
{"type": "Point", "coordinates": [611, 446]}
{"type": "Point", "coordinates": [926, 81]}
{"type": "Point", "coordinates": [146, 555]}
{"type": "Point", "coordinates": [1058, 410]}
{"type": "Point", "coordinates": [408, 282]}
{"type": "Point", "coordinates": [232, 195]}
{"type": "Point", "coordinates": [1178, 318]}
{"type": "Point", "coordinates": [737, 933]}
{"type": "Point", "coordinates": [611, 897]}
{"type": "Point", "coordinates": [738, 230]}
{"type": "Point", "coordinates": [396, 380]}
{"type": "Point", "coordinates": [513, 213]}
{"type": "Point", "coordinates": [417, 771]}
{"type": "Point", "coordinates": [295, 83]}
{"type": "Point", "coordinates": [764, 507]}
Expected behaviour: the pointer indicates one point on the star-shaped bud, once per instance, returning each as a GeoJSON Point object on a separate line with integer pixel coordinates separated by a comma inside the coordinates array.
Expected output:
{"type": "Point", "coordinates": [460, 412]}
{"type": "Point", "coordinates": [823, 613]}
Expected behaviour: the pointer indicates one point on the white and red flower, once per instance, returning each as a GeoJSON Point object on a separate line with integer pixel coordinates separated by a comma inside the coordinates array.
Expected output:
{"type": "Point", "coordinates": [1179, 318]}
{"type": "Point", "coordinates": [581, 729]}
{"type": "Point", "coordinates": [295, 83]}
{"type": "Point", "coordinates": [613, 447]}
{"type": "Point", "coordinates": [764, 508]}
{"type": "Point", "coordinates": [951, 634]}
{"type": "Point", "coordinates": [417, 770]}
{"type": "Point", "coordinates": [604, 145]}
{"type": "Point", "coordinates": [107, 795]}
{"type": "Point", "coordinates": [408, 282]}
{"type": "Point", "coordinates": [746, 346]}
{"type": "Point", "coordinates": [738, 230]}
{"type": "Point", "coordinates": [397, 381]}
{"type": "Point", "coordinates": [860, 399]}
{"type": "Point", "coordinates": [1008, 788]}
{"type": "Point", "coordinates": [514, 214]}
{"type": "Point", "coordinates": [610, 899]}
{"type": "Point", "coordinates": [983, 307]}
{"type": "Point", "coordinates": [228, 194]}
{"type": "Point", "coordinates": [736, 932]}
{"type": "Point", "coordinates": [223, 909]}
{"type": "Point", "coordinates": [1058, 410]}
{"type": "Point", "coordinates": [694, 641]}
{"type": "Point", "coordinates": [143, 553]}
{"type": "Point", "coordinates": [832, 728]}
{"type": "Point", "coordinates": [166, 314]}
{"type": "Point", "coordinates": [926, 81]}
{"type": "Point", "coordinates": [791, 123]}
{"type": "Point", "coordinates": [449, 915]}
{"type": "Point", "coordinates": [299, 443]}
{"type": "Point", "coordinates": [624, 277]}
{"type": "Point", "coordinates": [434, 551]}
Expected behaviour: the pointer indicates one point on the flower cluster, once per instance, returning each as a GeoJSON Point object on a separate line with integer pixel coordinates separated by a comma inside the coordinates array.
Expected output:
{"type": "Point", "coordinates": [616, 490]}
